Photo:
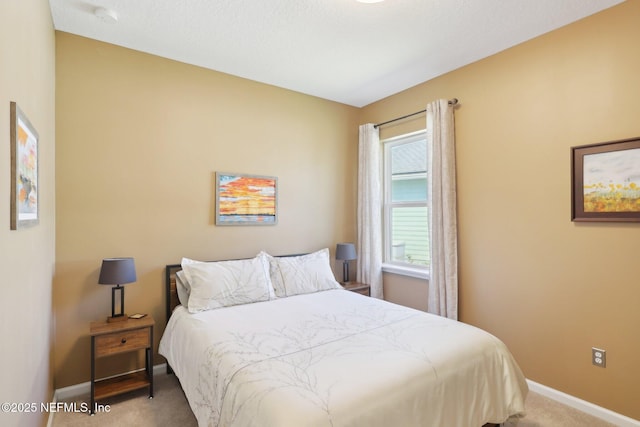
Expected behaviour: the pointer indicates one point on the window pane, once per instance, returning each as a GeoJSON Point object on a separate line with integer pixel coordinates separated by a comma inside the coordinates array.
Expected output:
{"type": "Point", "coordinates": [409, 171]}
{"type": "Point", "coordinates": [409, 189]}
{"type": "Point", "coordinates": [410, 235]}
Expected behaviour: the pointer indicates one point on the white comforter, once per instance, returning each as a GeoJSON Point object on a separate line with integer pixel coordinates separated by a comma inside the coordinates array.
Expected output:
{"type": "Point", "coordinates": [337, 358]}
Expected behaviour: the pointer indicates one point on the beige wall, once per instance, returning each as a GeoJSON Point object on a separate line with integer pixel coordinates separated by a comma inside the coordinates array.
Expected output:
{"type": "Point", "coordinates": [139, 140]}
{"type": "Point", "coordinates": [27, 76]}
{"type": "Point", "coordinates": [550, 288]}
{"type": "Point", "coordinates": [405, 290]}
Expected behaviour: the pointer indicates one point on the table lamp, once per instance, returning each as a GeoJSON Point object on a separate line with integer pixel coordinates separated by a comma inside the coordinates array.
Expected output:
{"type": "Point", "coordinates": [345, 252]}
{"type": "Point", "coordinates": [117, 271]}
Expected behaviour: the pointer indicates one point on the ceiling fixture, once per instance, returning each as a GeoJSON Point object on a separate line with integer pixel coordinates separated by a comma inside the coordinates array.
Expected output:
{"type": "Point", "coordinates": [106, 15]}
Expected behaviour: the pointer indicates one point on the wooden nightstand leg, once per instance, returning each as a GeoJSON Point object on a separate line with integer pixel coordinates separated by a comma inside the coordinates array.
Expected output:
{"type": "Point", "coordinates": [93, 375]}
{"type": "Point", "coordinates": [149, 369]}
{"type": "Point", "coordinates": [150, 362]}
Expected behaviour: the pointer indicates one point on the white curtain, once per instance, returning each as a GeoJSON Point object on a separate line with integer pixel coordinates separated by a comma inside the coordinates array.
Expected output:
{"type": "Point", "coordinates": [443, 242]}
{"type": "Point", "coordinates": [369, 246]}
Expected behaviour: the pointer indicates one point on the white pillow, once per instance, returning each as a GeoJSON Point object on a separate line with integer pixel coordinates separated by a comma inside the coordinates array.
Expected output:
{"type": "Point", "coordinates": [225, 283]}
{"type": "Point", "coordinates": [265, 259]}
{"type": "Point", "coordinates": [302, 274]}
{"type": "Point", "coordinates": [183, 288]}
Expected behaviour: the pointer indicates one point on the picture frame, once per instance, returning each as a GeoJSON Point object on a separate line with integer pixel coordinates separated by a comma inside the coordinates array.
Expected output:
{"type": "Point", "coordinates": [243, 199]}
{"type": "Point", "coordinates": [24, 170]}
{"type": "Point", "coordinates": [605, 182]}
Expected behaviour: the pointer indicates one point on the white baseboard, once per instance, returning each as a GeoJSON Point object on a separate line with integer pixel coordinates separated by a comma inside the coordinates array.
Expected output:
{"type": "Point", "coordinates": [85, 388]}
{"type": "Point", "coordinates": [582, 405]}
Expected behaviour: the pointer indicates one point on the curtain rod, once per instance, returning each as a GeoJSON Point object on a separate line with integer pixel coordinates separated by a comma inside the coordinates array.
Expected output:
{"type": "Point", "coordinates": [453, 101]}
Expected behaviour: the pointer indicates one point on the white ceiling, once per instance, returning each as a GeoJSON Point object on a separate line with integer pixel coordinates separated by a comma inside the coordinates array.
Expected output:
{"type": "Point", "coordinates": [340, 50]}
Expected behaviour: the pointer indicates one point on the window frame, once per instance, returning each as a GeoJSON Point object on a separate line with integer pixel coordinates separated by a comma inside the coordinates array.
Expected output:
{"type": "Point", "coordinates": [389, 265]}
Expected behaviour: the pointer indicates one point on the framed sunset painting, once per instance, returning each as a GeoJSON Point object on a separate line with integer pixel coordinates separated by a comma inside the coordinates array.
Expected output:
{"type": "Point", "coordinates": [246, 199]}
{"type": "Point", "coordinates": [606, 181]}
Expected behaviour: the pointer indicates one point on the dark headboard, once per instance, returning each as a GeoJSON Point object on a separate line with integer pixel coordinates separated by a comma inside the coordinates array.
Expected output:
{"type": "Point", "coordinates": [170, 288]}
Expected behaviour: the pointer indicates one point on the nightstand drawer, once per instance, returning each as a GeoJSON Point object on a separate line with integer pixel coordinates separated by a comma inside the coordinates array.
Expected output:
{"type": "Point", "coordinates": [118, 342]}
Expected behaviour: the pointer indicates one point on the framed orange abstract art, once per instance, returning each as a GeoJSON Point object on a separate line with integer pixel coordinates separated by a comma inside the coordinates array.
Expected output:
{"type": "Point", "coordinates": [246, 199]}
{"type": "Point", "coordinates": [606, 181]}
{"type": "Point", "coordinates": [24, 170]}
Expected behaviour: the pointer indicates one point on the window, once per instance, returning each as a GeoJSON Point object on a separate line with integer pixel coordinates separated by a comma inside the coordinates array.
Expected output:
{"type": "Point", "coordinates": [405, 218]}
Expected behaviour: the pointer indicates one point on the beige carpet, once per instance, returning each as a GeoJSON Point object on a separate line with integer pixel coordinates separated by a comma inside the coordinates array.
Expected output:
{"type": "Point", "coordinates": [169, 407]}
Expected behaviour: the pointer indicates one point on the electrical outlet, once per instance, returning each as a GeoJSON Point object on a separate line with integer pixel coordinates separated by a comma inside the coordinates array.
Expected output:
{"type": "Point", "coordinates": [599, 357]}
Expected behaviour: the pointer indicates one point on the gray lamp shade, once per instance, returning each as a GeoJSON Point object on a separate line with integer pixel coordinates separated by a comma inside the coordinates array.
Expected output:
{"type": "Point", "coordinates": [117, 271]}
{"type": "Point", "coordinates": [346, 251]}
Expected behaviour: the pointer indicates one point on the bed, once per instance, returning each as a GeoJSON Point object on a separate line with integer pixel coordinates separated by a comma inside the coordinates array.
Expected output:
{"type": "Point", "coordinates": [302, 351]}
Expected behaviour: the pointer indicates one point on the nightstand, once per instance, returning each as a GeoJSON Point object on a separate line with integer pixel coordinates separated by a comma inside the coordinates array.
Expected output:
{"type": "Point", "coordinates": [108, 339]}
{"type": "Point", "coordinates": [360, 288]}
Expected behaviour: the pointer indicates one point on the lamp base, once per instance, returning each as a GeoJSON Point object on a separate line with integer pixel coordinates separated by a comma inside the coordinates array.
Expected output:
{"type": "Point", "coordinates": [345, 272]}
{"type": "Point", "coordinates": [118, 318]}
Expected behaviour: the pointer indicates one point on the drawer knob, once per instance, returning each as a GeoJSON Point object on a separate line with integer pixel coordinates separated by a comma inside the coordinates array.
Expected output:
{"type": "Point", "coordinates": [123, 341]}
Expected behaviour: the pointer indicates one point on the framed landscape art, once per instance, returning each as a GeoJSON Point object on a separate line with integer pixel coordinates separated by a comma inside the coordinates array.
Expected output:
{"type": "Point", "coordinates": [246, 199]}
{"type": "Point", "coordinates": [606, 181]}
{"type": "Point", "coordinates": [24, 170]}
